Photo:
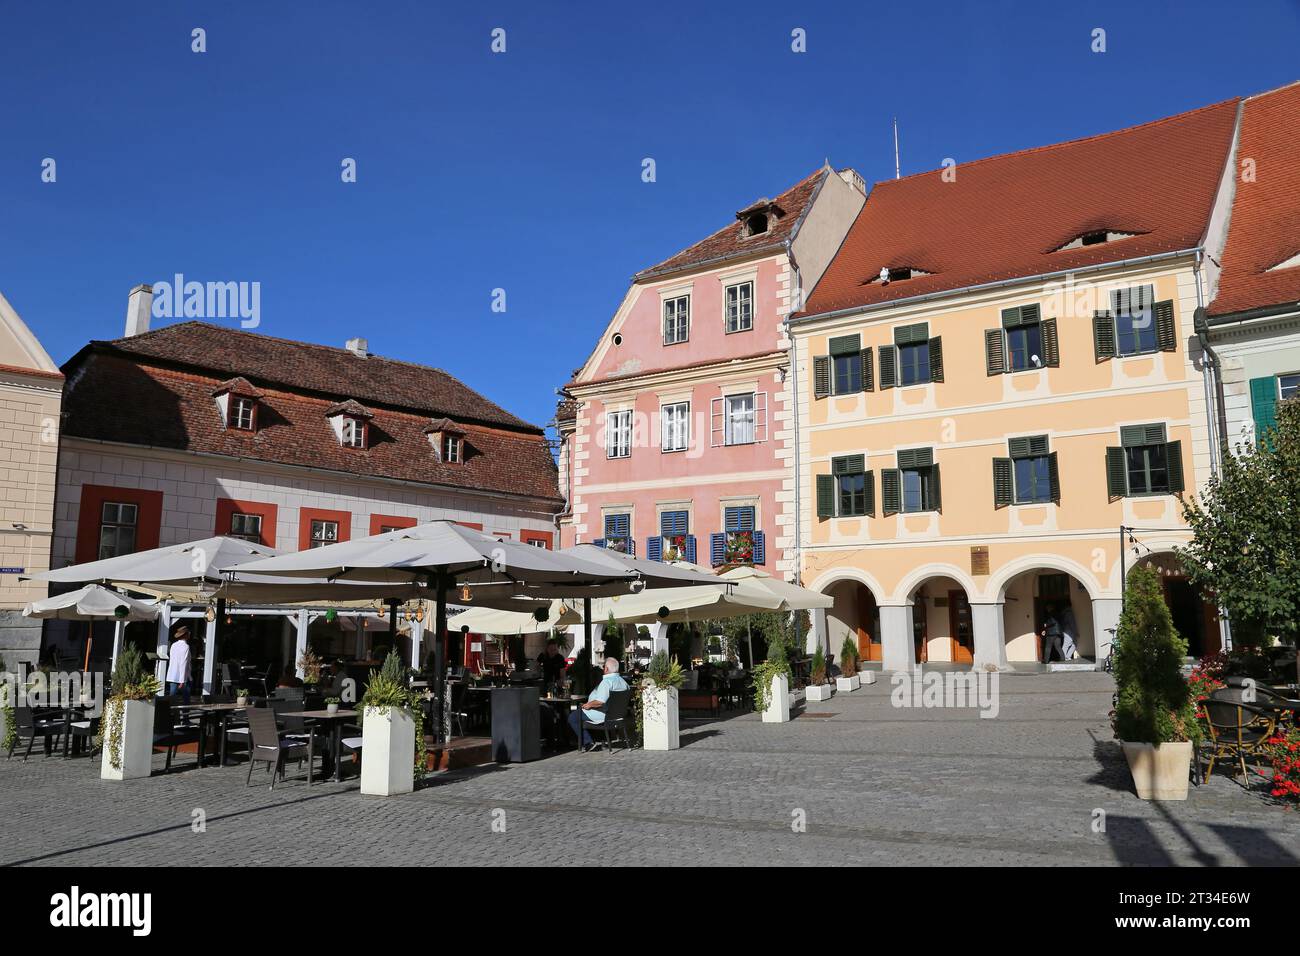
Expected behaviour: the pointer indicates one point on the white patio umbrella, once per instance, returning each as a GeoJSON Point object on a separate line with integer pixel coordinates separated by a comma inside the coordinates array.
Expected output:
{"type": "Point", "coordinates": [792, 596]}
{"type": "Point", "coordinates": [444, 556]}
{"type": "Point", "coordinates": [93, 603]}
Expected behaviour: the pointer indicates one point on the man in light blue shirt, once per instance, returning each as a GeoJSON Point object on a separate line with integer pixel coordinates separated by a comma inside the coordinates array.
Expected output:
{"type": "Point", "coordinates": [593, 711]}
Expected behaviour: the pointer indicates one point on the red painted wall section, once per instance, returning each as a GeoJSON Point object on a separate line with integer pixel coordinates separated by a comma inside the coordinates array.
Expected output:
{"type": "Point", "coordinates": [226, 507]}
{"type": "Point", "coordinates": [148, 517]}
{"type": "Point", "coordinates": [307, 515]}
{"type": "Point", "coordinates": [379, 522]}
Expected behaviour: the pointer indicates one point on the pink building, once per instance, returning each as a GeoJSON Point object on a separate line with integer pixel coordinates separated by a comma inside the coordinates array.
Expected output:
{"type": "Point", "coordinates": [673, 430]}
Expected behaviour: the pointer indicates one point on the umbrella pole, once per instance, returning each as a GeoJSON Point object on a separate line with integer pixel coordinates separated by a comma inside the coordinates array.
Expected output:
{"type": "Point", "coordinates": [439, 666]}
{"type": "Point", "coordinates": [392, 624]}
{"type": "Point", "coordinates": [749, 636]}
{"type": "Point", "coordinates": [90, 641]}
{"type": "Point", "coordinates": [586, 634]}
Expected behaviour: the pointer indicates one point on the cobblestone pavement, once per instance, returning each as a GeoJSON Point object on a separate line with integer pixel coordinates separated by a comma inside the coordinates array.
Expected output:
{"type": "Point", "coordinates": [878, 785]}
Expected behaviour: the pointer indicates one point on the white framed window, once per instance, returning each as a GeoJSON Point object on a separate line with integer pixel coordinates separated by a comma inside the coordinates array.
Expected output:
{"type": "Point", "coordinates": [323, 532]}
{"type": "Point", "coordinates": [618, 434]}
{"type": "Point", "coordinates": [241, 414]}
{"type": "Point", "coordinates": [677, 319]}
{"type": "Point", "coordinates": [739, 303]}
{"type": "Point", "coordinates": [354, 433]}
{"type": "Point", "coordinates": [1288, 386]}
{"type": "Point", "coordinates": [676, 426]}
{"type": "Point", "coordinates": [739, 419]}
{"type": "Point", "coordinates": [451, 449]}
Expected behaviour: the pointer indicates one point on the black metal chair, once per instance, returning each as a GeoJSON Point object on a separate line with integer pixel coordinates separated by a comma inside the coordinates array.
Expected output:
{"type": "Point", "coordinates": [266, 746]}
{"type": "Point", "coordinates": [1237, 731]}
{"type": "Point", "coordinates": [30, 727]}
{"type": "Point", "coordinates": [167, 732]}
{"type": "Point", "coordinates": [616, 720]}
{"type": "Point", "coordinates": [84, 728]}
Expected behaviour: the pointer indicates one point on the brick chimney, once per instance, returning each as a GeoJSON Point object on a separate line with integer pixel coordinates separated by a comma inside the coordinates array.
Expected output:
{"type": "Point", "coordinates": [139, 308]}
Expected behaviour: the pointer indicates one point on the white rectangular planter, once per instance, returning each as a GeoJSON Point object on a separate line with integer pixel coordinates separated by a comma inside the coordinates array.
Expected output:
{"type": "Point", "coordinates": [868, 677]}
{"type": "Point", "coordinates": [659, 725]}
{"type": "Point", "coordinates": [778, 701]}
{"type": "Point", "coordinates": [388, 752]}
{"type": "Point", "coordinates": [136, 758]}
{"type": "Point", "coordinates": [847, 685]}
{"type": "Point", "coordinates": [1160, 772]}
{"type": "Point", "coordinates": [819, 691]}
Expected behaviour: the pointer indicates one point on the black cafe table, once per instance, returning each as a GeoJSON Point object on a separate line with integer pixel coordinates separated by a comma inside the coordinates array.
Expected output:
{"type": "Point", "coordinates": [218, 714]}
{"type": "Point", "coordinates": [562, 704]}
{"type": "Point", "coordinates": [334, 723]}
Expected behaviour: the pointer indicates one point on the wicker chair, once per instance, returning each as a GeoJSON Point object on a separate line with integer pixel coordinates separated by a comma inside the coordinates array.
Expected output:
{"type": "Point", "coordinates": [1237, 731]}
{"type": "Point", "coordinates": [267, 747]}
{"type": "Point", "coordinates": [28, 725]}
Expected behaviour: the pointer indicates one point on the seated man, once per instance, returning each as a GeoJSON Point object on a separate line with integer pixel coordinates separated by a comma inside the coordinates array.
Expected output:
{"type": "Point", "coordinates": [593, 711]}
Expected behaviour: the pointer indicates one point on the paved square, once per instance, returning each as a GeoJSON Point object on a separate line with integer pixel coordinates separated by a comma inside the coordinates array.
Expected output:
{"type": "Point", "coordinates": [878, 785]}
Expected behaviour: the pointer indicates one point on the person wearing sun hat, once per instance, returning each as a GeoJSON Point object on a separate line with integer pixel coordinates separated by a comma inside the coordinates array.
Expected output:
{"type": "Point", "coordinates": [178, 665]}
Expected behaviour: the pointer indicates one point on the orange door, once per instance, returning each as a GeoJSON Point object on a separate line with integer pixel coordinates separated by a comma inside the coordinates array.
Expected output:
{"type": "Point", "coordinates": [869, 648]}
{"type": "Point", "coordinates": [960, 628]}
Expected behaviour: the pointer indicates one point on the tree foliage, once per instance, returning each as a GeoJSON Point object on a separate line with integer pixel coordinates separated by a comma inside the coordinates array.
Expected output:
{"type": "Point", "coordinates": [1154, 702]}
{"type": "Point", "coordinates": [1246, 547]}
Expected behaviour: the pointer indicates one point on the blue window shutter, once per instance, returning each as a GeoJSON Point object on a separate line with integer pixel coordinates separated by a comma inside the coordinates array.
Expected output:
{"type": "Point", "coordinates": [673, 522]}
{"type": "Point", "coordinates": [618, 526]}
{"type": "Point", "coordinates": [599, 542]}
{"type": "Point", "coordinates": [760, 549]}
{"type": "Point", "coordinates": [690, 548]}
{"type": "Point", "coordinates": [654, 549]}
{"type": "Point", "coordinates": [717, 549]}
{"type": "Point", "coordinates": [739, 519]}
{"type": "Point", "coordinates": [631, 547]}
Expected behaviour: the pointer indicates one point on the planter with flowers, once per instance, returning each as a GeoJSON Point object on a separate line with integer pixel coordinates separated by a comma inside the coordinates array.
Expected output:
{"type": "Point", "coordinates": [772, 685]}
{"type": "Point", "coordinates": [241, 697]}
{"type": "Point", "coordinates": [392, 738]}
{"type": "Point", "coordinates": [128, 719]}
{"type": "Point", "coordinates": [1155, 715]}
{"type": "Point", "coordinates": [817, 688]}
{"type": "Point", "coordinates": [332, 705]}
{"type": "Point", "coordinates": [659, 704]}
{"type": "Point", "coordinates": [848, 681]}
{"type": "Point", "coordinates": [1283, 750]}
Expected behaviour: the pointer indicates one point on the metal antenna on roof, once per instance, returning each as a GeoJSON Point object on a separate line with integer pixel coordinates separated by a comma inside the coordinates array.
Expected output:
{"type": "Point", "coordinates": [897, 173]}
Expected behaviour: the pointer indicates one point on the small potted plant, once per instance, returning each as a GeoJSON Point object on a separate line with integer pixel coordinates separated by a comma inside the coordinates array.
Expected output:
{"type": "Point", "coordinates": [128, 727]}
{"type": "Point", "coordinates": [817, 688]}
{"type": "Point", "coordinates": [659, 704]}
{"type": "Point", "coordinates": [1155, 714]}
{"type": "Point", "coordinates": [241, 697]}
{"type": "Point", "coordinates": [848, 681]}
{"type": "Point", "coordinates": [332, 705]}
{"type": "Point", "coordinates": [310, 665]}
{"type": "Point", "coordinates": [391, 740]}
{"type": "Point", "coordinates": [772, 685]}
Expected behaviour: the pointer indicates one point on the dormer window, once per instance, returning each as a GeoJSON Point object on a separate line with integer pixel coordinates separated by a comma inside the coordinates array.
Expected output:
{"type": "Point", "coordinates": [757, 219]}
{"type": "Point", "coordinates": [243, 412]}
{"type": "Point", "coordinates": [237, 402]}
{"type": "Point", "coordinates": [1094, 237]}
{"type": "Point", "coordinates": [354, 432]}
{"type": "Point", "coordinates": [890, 274]}
{"type": "Point", "coordinates": [447, 439]}
{"type": "Point", "coordinates": [351, 423]}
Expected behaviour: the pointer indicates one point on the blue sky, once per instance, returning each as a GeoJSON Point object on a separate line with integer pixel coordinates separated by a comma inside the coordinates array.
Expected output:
{"type": "Point", "coordinates": [521, 170]}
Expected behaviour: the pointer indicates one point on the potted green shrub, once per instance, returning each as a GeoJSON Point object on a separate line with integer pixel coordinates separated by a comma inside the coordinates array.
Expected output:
{"type": "Point", "coordinates": [332, 705]}
{"type": "Point", "coordinates": [390, 732]}
{"type": "Point", "coordinates": [848, 681]}
{"type": "Point", "coordinates": [772, 685]}
{"type": "Point", "coordinates": [1155, 715]}
{"type": "Point", "coordinates": [659, 704]}
{"type": "Point", "coordinates": [817, 688]}
{"type": "Point", "coordinates": [241, 697]}
{"type": "Point", "coordinates": [128, 719]}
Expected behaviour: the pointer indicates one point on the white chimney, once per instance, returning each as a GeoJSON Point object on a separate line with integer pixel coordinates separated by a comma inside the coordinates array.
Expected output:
{"type": "Point", "coordinates": [358, 347]}
{"type": "Point", "coordinates": [139, 307]}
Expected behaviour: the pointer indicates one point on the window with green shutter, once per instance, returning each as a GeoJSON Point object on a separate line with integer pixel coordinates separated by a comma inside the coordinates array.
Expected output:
{"type": "Point", "coordinates": [825, 496]}
{"type": "Point", "coordinates": [1135, 325]}
{"type": "Point", "coordinates": [1025, 341]}
{"type": "Point", "coordinates": [914, 485]}
{"type": "Point", "coordinates": [846, 364]}
{"type": "Point", "coordinates": [1035, 476]}
{"type": "Point", "coordinates": [914, 359]}
{"type": "Point", "coordinates": [853, 487]}
{"type": "Point", "coordinates": [1263, 405]}
{"type": "Point", "coordinates": [1144, 463]}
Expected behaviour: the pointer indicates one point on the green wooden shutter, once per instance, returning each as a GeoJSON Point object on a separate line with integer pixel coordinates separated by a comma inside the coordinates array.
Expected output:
{"type": "Point", "coordinates": [936, 499]}
{"type": "Point", "coordinates": [826, 496]}
{"type": "Point", "coordinates": [995, 351]}
{"type": "Point", "coordinates": [891, 491]}
{"type": "Point", "coordinates": [1103, 335]}
{"type": "Point", "coordinates": [821, 376]}
{"type": "Point", "coordinates": [1003, 483]}
{"type": "Point", "coordinates": [1153, 434]}
{"type": "Point", "coordinates": [1174, 462]}
{"type": "Point", "coordinates": [1166, 335]}
{"type": "Point", "coordinates": [1116, 473]}
{"type": "Point", "coordinates": [912, 334]}
{"type": "Point", "coordinates": [1263, 405]}
{"type": "Point", "coordinates": [869, 483]}
{"type": "Point", "coordinates": [1051, 344]}
{"type": "Point", "coordinates": [1018, 447]}
{"type": "Point", "coordinates": [849, 465]}
{"type": "Point", "coordinates": [845, 344]}
{"type": "Point", "coordinates": [868, 371]}
{"type": "Point", "coordinates": [888, 366]}
{"type": "Point", "coordinates": [936, 359]}
{"type": "Point", "coordinates": [1054, 477]}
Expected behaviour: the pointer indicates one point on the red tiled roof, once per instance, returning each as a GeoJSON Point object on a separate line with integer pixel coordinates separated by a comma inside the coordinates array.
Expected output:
{"type": "Point", "coordinates": [1264, 228]}
{"type": "Point", "coordinates": [319, 369]}
{"type": "Point", "coordinates": [119, 397]}
{"type": "Point", "coordinates": [350, 407]}
{"type": "Point", "coordinates": [239, 386]}
{"type": "Point", "coordinates": [730, 240]}
{"type": "Point", "coordinates": [1007, 216]}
